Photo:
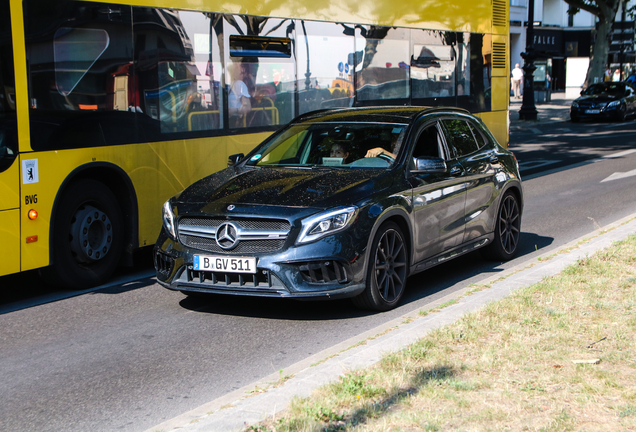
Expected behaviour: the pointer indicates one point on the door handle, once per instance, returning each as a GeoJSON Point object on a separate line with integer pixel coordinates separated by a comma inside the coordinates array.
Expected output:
{"type": "Point", "coordinates": [455, 171]}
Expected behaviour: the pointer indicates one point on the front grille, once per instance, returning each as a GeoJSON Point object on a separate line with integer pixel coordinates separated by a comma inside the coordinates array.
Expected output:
{"type": "Point", "coordinates": [254, 235]}
{"type": "Point", "coordinates": [244, 247]}
{"type": "Point", "coordinates": [324, 272]}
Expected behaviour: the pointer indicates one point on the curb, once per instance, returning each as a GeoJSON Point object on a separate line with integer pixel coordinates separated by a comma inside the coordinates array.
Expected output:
{"type": "Point", "coordinates": [272, 394]}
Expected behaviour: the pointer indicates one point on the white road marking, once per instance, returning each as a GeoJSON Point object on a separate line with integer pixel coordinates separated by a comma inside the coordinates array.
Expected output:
{"type": "Point", "coordinates": [620, 175]}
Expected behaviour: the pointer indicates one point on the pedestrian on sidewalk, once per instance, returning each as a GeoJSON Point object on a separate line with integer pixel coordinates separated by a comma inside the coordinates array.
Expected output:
{"type": "Point", "coordinates": [516, 78]}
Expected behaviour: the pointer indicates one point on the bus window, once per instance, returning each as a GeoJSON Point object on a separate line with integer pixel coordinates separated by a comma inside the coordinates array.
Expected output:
{"type": "Point", "coordinates": [433, 66]}
{"type": "Point", "coordinates": [260, 71]}
{"type": "Point", "coordinates": [325, 65]}
{"type": "Point", "coordinates": [76, 52]}
{"type": "Point", "coordinates": [383, 71]}
{"type": "Point", "coordinates": [179, 67]}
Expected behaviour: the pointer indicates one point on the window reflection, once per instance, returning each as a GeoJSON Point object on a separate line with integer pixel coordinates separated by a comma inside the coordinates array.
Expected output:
{"type": "Point", "coordinates": [433, 64]}
{"type": "Point", "coordinates": [260, 77]}
{"type": "Point", "coordinates": [187, 66]}
{"type": "Point", "coordinates": [383, 71]}
{"type": "Point", "coordinates": [325, 53]}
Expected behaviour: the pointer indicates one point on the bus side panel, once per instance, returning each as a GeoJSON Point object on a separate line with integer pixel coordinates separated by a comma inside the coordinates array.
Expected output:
{"type": "Point", "coordinates": [10, 232]}
{"type": "Point", "coordinates": [9, 187]}
{"type": "Point", "coordinates": [497, 122]}
{"type": "Point", "coordinates": [157, 172]}
{"type": "Point", "coordinates": [177, 164]}
{"type": "Point", "coordinates": [37, 194]}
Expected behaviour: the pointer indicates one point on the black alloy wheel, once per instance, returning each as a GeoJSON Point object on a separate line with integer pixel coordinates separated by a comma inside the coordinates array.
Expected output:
{"type": "Point", "coordinates": [507, 230]}
{"type": "Point", "coordinates": [387, 270]}
{"type": "Point", "coordinates": [88, 240]}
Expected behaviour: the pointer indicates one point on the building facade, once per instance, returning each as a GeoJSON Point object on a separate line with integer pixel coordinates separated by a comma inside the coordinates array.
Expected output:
{"type": "Point", "coordinates": [565, 43]}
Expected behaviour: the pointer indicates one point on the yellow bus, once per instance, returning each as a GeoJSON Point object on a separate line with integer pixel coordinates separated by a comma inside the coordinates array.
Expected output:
{"type": "Point", "coordinates": [108, 109]}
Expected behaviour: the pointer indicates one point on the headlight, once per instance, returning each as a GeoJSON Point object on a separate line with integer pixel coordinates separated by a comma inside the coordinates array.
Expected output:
{"type": "Point", "coordinates": [168, 220]}
{"type": "Point", "coordinates": [614, 103]}
{"type": "Point", "coordinates": [326, 223]}
{"type": "Point", "coordinates": [575, 104]}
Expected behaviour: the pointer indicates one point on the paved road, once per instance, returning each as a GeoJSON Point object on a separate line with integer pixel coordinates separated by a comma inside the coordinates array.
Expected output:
{"type": "Point", "coordinates": [132, 355]}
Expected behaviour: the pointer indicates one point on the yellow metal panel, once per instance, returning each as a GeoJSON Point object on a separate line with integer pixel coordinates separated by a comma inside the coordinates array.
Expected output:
{"type": "Point", "coordinates": [10, 234]}
{"type": "Point", "coordinates": [500, 93]}
{"type": "Point", "coordinates": [9, 187]}
{"type": "Point", "coordinates": [19, 66]}
{"type": "Point", "coordinates": [157, 171]}
{"type": "Point", "coordinates": [458, 15]}
{"type": "Point", "coordinates": [497, 122]}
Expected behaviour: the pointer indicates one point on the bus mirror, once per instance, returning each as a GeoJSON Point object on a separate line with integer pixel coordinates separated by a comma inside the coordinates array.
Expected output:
{"type": "Point", "coordinates": [234, 159]}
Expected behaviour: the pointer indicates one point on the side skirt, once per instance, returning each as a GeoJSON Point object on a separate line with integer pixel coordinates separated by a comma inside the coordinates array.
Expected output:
{"type": "Point", "coordinates": [453, 253]}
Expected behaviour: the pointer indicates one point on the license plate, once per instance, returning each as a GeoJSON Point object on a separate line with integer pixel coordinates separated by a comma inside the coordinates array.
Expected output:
{"type": "Point", "coordinates": [598, 111]}
{"type": "Point", "coordinates": [225, 264]}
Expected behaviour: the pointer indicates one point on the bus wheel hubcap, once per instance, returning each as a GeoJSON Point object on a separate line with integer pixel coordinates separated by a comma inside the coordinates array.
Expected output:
{"type": "Point", "coordinates": [91, 234]}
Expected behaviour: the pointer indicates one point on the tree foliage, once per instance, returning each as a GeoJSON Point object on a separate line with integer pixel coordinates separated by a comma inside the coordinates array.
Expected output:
{"type": "Point", "coordinates": [605, 11]}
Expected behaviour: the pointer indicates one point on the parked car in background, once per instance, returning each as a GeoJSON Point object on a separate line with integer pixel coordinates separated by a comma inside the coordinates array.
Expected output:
{"type": "Point", "coordinates": [606, 100]}
{"type": "Point", "coordinates": [344, 203]}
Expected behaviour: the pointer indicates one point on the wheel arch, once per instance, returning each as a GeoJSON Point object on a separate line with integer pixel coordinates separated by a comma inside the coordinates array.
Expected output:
{"type": "Point", "coordinates": [400, 217]}
{"type": "Point", "coordinates": [118, 181]}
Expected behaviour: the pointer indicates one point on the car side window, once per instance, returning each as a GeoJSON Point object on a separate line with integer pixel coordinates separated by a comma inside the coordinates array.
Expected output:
{"type": "Point", "coordinates": [429, 143]}
{"type": "Point", "coordinates": [460, 137]}
{"type": "Point", "coordinates": [478, 135]}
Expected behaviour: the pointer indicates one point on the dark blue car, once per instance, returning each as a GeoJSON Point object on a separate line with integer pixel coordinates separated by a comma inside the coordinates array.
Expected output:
{"type": "Point", "coordinates": [606, 100]}
{"type": "Point", "coordinates": [344, 203]}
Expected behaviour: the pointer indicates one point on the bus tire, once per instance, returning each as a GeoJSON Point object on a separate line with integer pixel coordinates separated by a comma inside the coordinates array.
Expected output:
{"type": "Point", "coordinates": [88, 237]}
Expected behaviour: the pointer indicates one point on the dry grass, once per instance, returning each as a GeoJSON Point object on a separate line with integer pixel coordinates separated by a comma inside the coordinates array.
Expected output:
{"type": "Point", "coordinates": [509, 366]}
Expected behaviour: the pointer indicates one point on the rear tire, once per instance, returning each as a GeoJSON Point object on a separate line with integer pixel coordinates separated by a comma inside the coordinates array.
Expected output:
{"type": "Point", "coordinates": [507, 230]}
{"type": "Point", "coordinates": [88, 240]}
{"type": "Point", "coordinates": [387, 269]}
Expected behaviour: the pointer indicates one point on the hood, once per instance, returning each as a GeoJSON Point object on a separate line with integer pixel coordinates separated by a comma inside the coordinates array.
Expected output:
{"type": "Point", "coordinates": [315, 187]}
{"type": "Point", "coordinates": [603, 97]}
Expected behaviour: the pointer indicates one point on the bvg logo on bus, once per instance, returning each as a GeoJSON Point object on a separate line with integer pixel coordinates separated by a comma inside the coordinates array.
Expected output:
{"type": "Point", "coordinates": [31, 199]}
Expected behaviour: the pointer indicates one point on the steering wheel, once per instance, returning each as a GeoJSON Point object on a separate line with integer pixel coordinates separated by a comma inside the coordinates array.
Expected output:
{"type": "Point", "coordinates": [386, 157]}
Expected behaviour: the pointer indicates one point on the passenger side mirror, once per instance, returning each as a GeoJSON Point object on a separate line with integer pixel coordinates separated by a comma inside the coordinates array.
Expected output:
{"type": "Point", "coordinates": [429, 164]}
{"type": "Point", "coordinates": [234, 159]}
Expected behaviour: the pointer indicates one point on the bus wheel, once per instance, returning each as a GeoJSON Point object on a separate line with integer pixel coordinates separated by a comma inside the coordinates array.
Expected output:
{"type": "Point", "coordinates": [88, 238]}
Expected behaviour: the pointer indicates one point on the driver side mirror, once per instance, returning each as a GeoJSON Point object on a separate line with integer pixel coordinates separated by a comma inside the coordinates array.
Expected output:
{"type": "Point", "coordinates": [429, 164]}
{"type": "Point", "coordinates": [234, 159]}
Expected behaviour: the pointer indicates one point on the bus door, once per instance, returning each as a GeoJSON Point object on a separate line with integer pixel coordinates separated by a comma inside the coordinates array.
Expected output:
{"type": "Point", "coordinates": [9, 169]}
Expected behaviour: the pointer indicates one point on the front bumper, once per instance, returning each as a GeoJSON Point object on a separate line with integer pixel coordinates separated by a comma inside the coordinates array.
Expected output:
{"type": "Point", "coordinates": [332, 267]}
{"type": "Point", "coordinates": [603, 113]}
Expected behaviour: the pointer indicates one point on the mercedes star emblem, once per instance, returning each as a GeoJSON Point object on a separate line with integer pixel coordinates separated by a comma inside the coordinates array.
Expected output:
{"type": "Point", "coordinates": [227, 235]}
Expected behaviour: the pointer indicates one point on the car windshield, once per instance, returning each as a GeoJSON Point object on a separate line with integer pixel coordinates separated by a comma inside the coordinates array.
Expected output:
{"type": "Point", "coordinates": [613, 89]}
{"type": "Point", "coordinates": [345, 145]}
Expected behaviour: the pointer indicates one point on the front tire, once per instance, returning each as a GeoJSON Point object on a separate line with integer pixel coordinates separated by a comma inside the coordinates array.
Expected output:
{"type": "Point", "coordinates": [507, 230]}
{"type": "Point", "coordinates": [88, 240]}
{"type": "Point", "coordinates": [387, 270]}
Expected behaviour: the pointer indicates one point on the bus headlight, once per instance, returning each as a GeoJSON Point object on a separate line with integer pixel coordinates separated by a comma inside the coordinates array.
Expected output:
{"type": "Point", "coordinates": [168, 220]}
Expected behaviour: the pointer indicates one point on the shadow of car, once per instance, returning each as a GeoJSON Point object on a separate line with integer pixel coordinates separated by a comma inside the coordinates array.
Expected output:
{"type": "Point", "coordinates": [606, 100]}
{"type": "Point", "coordinates": [292, 220]}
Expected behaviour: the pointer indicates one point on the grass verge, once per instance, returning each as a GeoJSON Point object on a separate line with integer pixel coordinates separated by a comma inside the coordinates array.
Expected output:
{"type": "Point", "coordinates": [557, 356]}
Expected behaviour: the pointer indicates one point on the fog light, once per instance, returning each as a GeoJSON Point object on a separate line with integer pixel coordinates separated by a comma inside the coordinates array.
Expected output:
{"type": "Point", "coordinates": [33, 214]}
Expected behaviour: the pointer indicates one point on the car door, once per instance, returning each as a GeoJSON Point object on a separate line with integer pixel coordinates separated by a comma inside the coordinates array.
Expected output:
{"type": "Point", "coordinates": [479, 162]}
{"type": "Point", "coordinates": [438, 198]}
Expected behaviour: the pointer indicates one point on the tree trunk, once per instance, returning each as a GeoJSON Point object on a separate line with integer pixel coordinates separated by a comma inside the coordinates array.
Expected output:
{"type": "Point", "coordinates": [596, 71]}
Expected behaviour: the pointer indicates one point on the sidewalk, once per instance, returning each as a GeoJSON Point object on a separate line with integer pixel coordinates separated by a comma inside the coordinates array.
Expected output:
{"type": "Point", "coordinates": [557, 110]}
{"type": "Point", "coordinates": [273, 393]}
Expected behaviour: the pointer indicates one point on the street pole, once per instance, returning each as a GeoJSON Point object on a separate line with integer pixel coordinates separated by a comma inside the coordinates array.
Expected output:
{"type": "Point", "coordinates": [528, 110]}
